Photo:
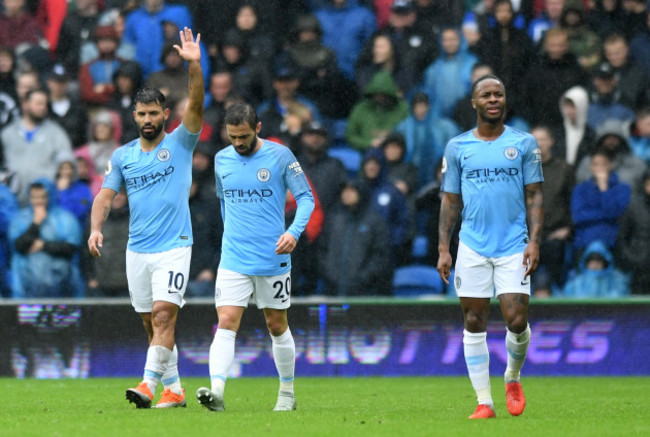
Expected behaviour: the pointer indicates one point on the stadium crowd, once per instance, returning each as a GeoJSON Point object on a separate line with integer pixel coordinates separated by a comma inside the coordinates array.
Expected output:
{"type": "Point", "coordinates": [365, 93]}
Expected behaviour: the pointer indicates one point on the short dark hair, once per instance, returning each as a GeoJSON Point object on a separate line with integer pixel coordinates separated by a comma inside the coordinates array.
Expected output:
{"type": "Point", "coordinates": [481, 79]}
{"type": "Point", "coordinates": [150, 95]}
{"type": "Point", "coordinates": [240, 113]}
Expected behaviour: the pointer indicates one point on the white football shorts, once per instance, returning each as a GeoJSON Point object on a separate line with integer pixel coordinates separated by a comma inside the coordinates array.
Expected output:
{"type": "Point", "coordinates": [158, 276]}
{"type": "Point", "coordinates": [236, 289]}
{"type": "Point", "coordinates": [480, 276]}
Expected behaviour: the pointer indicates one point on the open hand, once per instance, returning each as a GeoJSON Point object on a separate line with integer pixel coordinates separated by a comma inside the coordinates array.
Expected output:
{"type": "Point", "coordinates": [189, 49]}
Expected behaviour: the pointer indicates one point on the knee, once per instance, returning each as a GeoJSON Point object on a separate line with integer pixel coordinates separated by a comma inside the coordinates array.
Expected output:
{"type": "Point", "coordinates": [517, 324]}
{"type": "Point", "coordinates": [276, 326]}
{"type": "Point", "coordinates": [475, 322]}
{"type": "Point", "coordinates": [163, 320]}
{"type": "Point", "coordinates": [228, 321]}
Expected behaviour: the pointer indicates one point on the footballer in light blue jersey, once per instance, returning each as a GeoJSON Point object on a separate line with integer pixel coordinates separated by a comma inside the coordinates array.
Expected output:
{"type": "Point", "coordinates": [253, 191]}
{"type": "Point", "coordinates": [158, 186]}
{"type": "Point", "coordinates": [491, 176]}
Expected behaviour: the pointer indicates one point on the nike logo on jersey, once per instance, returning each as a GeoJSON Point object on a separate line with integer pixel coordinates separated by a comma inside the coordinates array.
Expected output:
{"type": "Point", "coordinates": [525, 282]}
{"type": "Point", "coordinates": [465, 157]}
{"type": "Point", "coordinates": [128, 166]}
{"type": "Point", "coordinates": [284, 300]}
{"type": "Point", "coordinates": [225, 176]}
{"type": "Point", "coordinates": [173, 292]}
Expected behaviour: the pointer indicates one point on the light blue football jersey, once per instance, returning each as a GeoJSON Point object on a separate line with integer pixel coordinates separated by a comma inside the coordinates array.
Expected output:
{"type": "Point", "coordinates": [491, 176]}
{"type": "Point", "coordinates": [158, 187]}
{"type": "Point", "coordinates": [253, 190]}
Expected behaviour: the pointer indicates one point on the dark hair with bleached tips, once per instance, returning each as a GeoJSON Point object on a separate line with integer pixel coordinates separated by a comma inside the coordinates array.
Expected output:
{"type": "Point", "coordinates": [481, 79]}
{"type": "Point", "coordinates": [150, 95]}
{"type": "Point", "coordinates": [241, 113]}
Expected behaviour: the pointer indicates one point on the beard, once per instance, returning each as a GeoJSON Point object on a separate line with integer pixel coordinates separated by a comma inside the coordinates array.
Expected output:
{"type": "Point", "coordinates": [249, 148]}
{"type": "Point", "coordinates": [152, 134]}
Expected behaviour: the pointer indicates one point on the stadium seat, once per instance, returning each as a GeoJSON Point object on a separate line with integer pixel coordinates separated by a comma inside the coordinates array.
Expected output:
{"type": "Point", "coordinates": [350, 158]}
{"type": "Point", "coordinates": [420, 245]}
{"type": "Point", "coordinates": [416, 280]}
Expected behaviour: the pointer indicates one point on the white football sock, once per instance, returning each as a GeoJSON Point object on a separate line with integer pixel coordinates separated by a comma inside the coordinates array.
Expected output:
{"type": "Point", "coordinates": [222, 354]}
{"type": "Point", "coordinates": [477, 359]}
{"type": "Point", "coordinates": [171, 379]}
{"type": "Point", "coordinates": [517, 345]}
{"type": "Point", "coordinates": [284, 355]}
{"type": "Point", "coordinates": [154, 368]}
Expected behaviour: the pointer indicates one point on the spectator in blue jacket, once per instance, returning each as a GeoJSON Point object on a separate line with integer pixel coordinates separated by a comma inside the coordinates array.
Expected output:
{"type": "Point", "coordinates": [390, 203]}
{"type": "Point", "coordinates": [45, 241]}
{"type": "Point", "coordinates": [346, 28]}
{"type": "Point", "coordinates": [144, 29]}
{"type": "Point", "coordinates": [598, 204]}
{"type": "Point", "coordinates": [448, 79]}
{"type": "Point", "coordinates": [597, 277]}
{"type": "Point", "coordinates": [8, 207]}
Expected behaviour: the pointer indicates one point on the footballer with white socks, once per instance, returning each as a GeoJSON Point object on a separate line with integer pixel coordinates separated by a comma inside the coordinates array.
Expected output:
{"type": "Point", "coordinates": [492, 173]}
{"type": "Point", "coordinates": [156, 169]}
{"type": "Point", "coordinates": [252, 178]}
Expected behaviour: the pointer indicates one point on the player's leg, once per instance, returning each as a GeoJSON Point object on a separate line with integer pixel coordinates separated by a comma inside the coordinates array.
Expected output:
{"type": "Point", "coordinates": [170, 282]}
{"type": "Point", "coordinates": [474, 285]}
{"type": "Point", "coordinates": [273, 295]}
{"type": "Point", "coordinates": [514, 293]}
{"type": "Point", "coordinates": [232, 293]}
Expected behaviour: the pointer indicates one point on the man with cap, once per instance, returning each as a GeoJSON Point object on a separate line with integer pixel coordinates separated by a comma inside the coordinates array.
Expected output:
{"type": "Point", "coordinates": [67, 111]}
{"type": "Point", "coordinates": [605, 99]}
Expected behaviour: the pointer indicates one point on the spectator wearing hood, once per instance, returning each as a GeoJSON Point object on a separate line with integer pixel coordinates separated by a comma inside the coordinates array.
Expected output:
{"type": "Point", "coordinates": [73, 194]}
{"type": "Point", "coordinates": [249, 75]}
{"type": "Point", "coordinates": [355, 247]}
{"type": "Point", "coordinates": [633, 242]}
{"type": "Point", "coordinates": [45, 241]}
{"type": "Point", "coordinates": [598, 204]}
{"type": "Point", "coordinates": [426, 137]}
{"type": "Point", "coordinates": [347, 27]}
{"type": "Point", "coordinates": [75, 44]}
{"type": "Point", "coordinates": [448, 79]}
{"type": "Point", "coordinates": [18, 27]}
{"type": "Point", "coordinates": [258, 44]}
{"type": "Point", "coordinates": [96, 76]}
{"type": "Point", "coordinates": [390, 203]}
{"type": "Point", "coordinates": [574, 139]}
{"type": "Point", "coordinates": [144, 30]}
{"type": "Point", "coordinates": [597, 277]}
{"type": "Point", "coordinates": [612, 138]}
{"type": "Point", "coordinates": [605, 17]}
{"type": "Point", "coordinates": [127, 80]}
{"type": "Point", "coordinates": [402, 174]}
{"type": "Point", "coordinates": [321, 80]}
{"type": "Point", "coordinates": [105, 131]}
{"type": "Point", "coordinates": [378, 113]}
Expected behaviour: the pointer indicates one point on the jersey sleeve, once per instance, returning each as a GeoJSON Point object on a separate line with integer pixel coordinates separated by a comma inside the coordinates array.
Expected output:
{"type": "Point", "coordinates": [451, 170]}
{"type": "Point", "coordinates": [532, 162]}
{"type": "Point", "coordinates": [294, 178]}
{"type": "Point", "coordinates": [184, 137]}
{"type": "Point", "coordinates": [113, 178]}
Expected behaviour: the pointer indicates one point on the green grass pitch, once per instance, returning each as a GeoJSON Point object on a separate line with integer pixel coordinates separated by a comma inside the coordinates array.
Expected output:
{"type": "Point", "coordinates": [396, 407]}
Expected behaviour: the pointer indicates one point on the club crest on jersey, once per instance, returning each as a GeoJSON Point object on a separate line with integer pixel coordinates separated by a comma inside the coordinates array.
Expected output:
{"type": "Point", "coordinates": [164, 155]}
{"type": "Point", "coordinates": [511, 153]}
{"type": "Point", "coordinates": [109, 167]}
{"type": "Point", "coordinates": [444, 165]}
{"type": "Point", "coordinates": [457, 282]}
{"type": "Point", "coordinates": [263, 175]}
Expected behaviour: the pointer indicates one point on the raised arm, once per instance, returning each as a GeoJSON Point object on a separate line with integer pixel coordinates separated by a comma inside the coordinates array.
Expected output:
{"type": "Point", "coordinates": [449, 210]}
{"type": "Point", "coordinates": [535, 219]}
{"type": "Point", "coordinates": [190, 51]}
{"type": "Point", "coordinates": [98, 215]}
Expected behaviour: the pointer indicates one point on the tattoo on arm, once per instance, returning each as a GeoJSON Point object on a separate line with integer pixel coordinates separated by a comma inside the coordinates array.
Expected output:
{"type": "Point", "coordinates": [191, 82]}
{"type": "Point", "coordinates": [107, 210]}
{"type": "Point", "coordinates": [448, 217]}
{"type": "Point", "coordinates": [535, 210]}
